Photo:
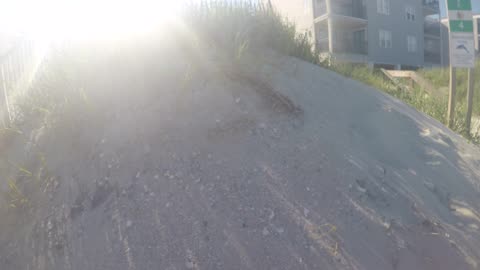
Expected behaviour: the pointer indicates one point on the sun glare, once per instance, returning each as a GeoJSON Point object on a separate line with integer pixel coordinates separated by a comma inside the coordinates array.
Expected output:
{"type": "Point", "coordinates": [85, 18]}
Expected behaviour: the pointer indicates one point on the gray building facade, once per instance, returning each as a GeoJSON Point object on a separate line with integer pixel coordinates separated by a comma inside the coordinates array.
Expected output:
{"type": "Point", "coordinates": [394, 33]}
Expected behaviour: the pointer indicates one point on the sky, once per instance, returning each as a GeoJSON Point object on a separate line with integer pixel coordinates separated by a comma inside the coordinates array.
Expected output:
{"type": "Point", "coordinates": [83, 17]}
{"type": "Point", "coordinates": [43, 16]}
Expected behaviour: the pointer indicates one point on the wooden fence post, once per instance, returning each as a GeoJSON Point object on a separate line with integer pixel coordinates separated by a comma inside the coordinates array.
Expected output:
{"type": "Point", "coordinates": [470, 99]}
{"type": "Point", "coordinates": [451, 97]}
{"type": "Point", "coordinates": [6, 118]}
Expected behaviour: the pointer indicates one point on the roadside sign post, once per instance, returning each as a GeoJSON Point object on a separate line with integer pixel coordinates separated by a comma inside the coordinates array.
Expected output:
{"type": "Point", "coordinates": [470, 99]}
{"type": "Point", "coordinates": [4, 106]}
{"type": "Point", "coordinates": [451, 96]}
{"type": "Point", "coordinates": [462, 52]}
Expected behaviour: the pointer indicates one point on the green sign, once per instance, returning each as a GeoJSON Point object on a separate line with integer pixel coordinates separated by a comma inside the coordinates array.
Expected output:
{"type": "Point", "coordinates": [461, 26]}
{"type": "Point", "coordinates": [459, 5]}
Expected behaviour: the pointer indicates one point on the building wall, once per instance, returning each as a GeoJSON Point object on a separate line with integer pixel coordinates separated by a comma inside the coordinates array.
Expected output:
{"type": "Point", "coordinates": [302, 13]}
{"type": "Point", "coordinates": [298, 11]}
{"type": "Point", "coordinates": [397, 23]}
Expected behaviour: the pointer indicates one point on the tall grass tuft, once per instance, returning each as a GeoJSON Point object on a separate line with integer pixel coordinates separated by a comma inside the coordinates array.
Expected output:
{"type": "Point", "coordinates": [239, 26]}
{"type": "Point", "coordinates": [417, 98]}
{"type": "Point", "coordinates": [235, 27]}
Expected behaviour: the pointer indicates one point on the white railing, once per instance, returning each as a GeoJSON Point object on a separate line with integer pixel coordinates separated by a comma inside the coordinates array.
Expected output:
{"type": "Point", "coordinates": [18, 66]}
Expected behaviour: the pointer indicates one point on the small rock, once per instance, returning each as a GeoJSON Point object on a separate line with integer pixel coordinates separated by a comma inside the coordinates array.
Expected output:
{"type": "Point", "coordinates": [55, 184]}
{"type": "Point", "coordinates": [306, 212]}
{"type": "Point", "coordinates": [272, 214]}
{"type": "Point", "coordinates": [156, 177]}
{"type": "Point", "coordinates": [129, 223]}
{"type": "Point", "coordinates": [189, 265]}
{"type": "Point", "coordinates": [265, 231]}
{"type": "Point", "coordinates": [147, 149]}
{"type": "Point", "coordinates": [49, 225]}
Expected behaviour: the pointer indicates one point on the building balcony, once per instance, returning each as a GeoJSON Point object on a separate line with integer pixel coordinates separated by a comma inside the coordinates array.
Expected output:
{"type": "Point", "coordinates": [432, 29]}
{"type": "Point", "coordinates": [352, 11]}
{"type": "Point", "coordinates": [431, 7]}
{"type": "Point", "coordinates": [432, 57]}
{"type": "Point", "coordinates": [347, 46]}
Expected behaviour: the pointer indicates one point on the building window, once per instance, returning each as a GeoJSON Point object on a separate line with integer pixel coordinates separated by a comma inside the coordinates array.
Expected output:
{"type": "Point", "coordinates": [383, 7]}
{"type": "Point", "coordinates": [411, 44]}
{"type": "Point", "coordinates": [410, 13]}
{"type": "Point", "coordinates": [385, 38]}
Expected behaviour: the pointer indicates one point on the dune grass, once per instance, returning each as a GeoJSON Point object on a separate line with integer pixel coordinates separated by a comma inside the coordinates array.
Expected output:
{"type": "Point", "coordinates": [417, 98]}
{"type": "Point", "coordinates": [440, 78]}
{"type": "Point", "coordinates": [239, 26]}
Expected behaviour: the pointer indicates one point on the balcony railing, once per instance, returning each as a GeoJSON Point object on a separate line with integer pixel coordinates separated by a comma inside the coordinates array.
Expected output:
{"type": "Point", "coordinates": [357, 48]}
{"type": "Point", "coordinates": [432, 4]}
{"type": "Point", "coordinates": [346, 48]}
{"type": "Point", "coordinates": [433, 58]}
{"type": "Point", "coordinates": [355, 9]}
{"type": "Point", "coordinates": [320, 8]}
{"type": "Point", "coordinates": [356, 12]}
{"type": "Point", "coordinates": [432, 28]}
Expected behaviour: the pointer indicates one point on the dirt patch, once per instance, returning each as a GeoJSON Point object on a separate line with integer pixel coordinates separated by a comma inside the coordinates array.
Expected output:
{"type": "Point", "coordinates": [272, 99]}
{"type": "Point", "coordinates": [7, 136]}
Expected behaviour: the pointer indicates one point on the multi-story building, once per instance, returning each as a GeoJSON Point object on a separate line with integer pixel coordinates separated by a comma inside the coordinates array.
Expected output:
{"type": "Point", "coordinates": [395, 33]}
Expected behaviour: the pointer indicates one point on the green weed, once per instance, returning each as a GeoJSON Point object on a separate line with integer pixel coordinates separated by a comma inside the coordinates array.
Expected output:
{"type": "Point", "coordinates": [16, 199]}
{"type": "Point", "coordinates": [238, 26]}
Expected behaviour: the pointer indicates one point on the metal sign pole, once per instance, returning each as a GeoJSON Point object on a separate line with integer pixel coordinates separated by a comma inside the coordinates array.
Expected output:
{"type": "Point", "coordinates": [462, 51]}
{"type": "Point", "coordinates": [470, 99]}
{"type": "Point", "coordinates": [451, 96]}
